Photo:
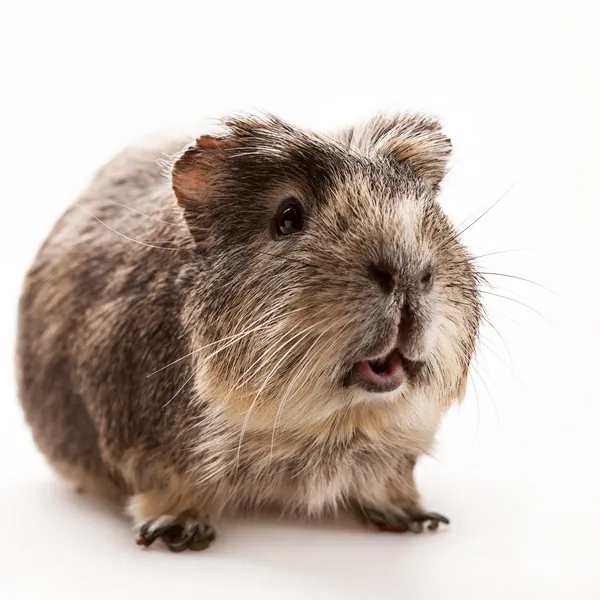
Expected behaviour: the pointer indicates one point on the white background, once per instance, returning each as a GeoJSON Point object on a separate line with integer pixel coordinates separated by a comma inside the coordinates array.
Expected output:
{"type": "Point", "coordinates": [516, 467]}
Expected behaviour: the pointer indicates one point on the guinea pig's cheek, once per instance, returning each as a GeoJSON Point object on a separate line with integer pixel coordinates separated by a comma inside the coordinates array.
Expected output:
{"type": "Point", "coordinates": [431, 336]}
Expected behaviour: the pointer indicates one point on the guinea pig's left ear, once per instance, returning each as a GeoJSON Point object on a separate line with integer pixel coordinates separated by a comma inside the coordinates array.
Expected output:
{"type": "Point", "coordinates": [412, 139]}
{"type": "Point", "coordinates": [197, 168]}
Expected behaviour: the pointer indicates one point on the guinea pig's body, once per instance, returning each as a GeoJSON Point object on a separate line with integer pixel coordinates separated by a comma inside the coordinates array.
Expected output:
{"type": "Point", "coordinates": [280, 324]}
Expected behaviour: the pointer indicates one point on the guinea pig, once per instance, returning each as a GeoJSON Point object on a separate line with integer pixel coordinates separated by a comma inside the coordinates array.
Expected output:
{"type": "Point", "coordinates": [271, 320]}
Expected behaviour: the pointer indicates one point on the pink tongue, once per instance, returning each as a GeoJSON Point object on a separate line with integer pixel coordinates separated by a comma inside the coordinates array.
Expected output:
{"type": "Point", "coordinates": [383, 376]}
{"type": "Point", "coordinates": [379, 371]}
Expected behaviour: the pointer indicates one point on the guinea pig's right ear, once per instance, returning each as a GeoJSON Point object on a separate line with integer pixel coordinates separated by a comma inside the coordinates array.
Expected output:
{"type": "Point", "coordinates": [412, 139]}
{"type": "Point", "coordinates": [196, 168]}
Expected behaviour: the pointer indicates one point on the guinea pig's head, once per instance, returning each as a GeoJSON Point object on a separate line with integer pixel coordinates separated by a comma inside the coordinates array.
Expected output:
{"type": "Point", "coordinates": [327, 275]}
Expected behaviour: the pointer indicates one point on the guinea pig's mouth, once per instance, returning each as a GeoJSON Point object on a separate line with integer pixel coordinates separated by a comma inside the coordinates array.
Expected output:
{"type": "Point", "coordinates": [382, 374]}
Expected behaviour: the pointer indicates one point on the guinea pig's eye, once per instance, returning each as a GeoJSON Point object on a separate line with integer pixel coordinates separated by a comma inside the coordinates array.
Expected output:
{"type": "Point", "coordinates": [289, 218]}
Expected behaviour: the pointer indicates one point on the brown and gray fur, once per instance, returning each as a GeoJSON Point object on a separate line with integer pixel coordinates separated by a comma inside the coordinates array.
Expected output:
{"type": "Point", "coordinates": [173, 355]}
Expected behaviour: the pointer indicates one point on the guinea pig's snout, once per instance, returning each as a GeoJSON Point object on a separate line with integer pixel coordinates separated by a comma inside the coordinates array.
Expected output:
{"type": "Point", "coordinates": [396, 355]}
{"type": "Point", "coordinates": [385, 275]}
{"type": "Point", "coordinates": [399, 350]}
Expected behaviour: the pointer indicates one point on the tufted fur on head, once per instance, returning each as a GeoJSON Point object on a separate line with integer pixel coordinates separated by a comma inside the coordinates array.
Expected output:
{"type": "Point", "coordinates": [413, 139]}
{"type": "Point", "coordinates": [200, 356]}
{"type": "Point", "coordinates": [369, 194]}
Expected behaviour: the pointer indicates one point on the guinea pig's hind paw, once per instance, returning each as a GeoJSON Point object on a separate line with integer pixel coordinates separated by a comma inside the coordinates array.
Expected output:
{"type": "Point", "coordinates": [407, 520]}
{"type": "Point", "coordinates": [178, 534]}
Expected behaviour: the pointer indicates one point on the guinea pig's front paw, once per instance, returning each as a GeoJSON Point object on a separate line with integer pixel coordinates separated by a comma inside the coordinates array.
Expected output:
{"type": "Point", "coordinates": [178, 533]}
{"type": "Point", "coordinates": [399, 521]}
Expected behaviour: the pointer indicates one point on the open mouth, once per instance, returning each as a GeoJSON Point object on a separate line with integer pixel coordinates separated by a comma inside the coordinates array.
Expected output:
{"type": "Point", "coordinates": [383, 374]}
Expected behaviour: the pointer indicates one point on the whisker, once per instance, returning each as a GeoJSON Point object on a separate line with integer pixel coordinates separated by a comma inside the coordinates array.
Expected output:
{"type": "Point", "coordinates": [123, 235]}
{"type": "Point", "coordinates": [274, 255]}
{"type": "Point", "coordinates": [518, 278]}
{"type": "Point", "coordinates": [202, 363]}
{"type": "Point", "coordinates": [306, 264]}
{"type": "Point", "coordinates": [496, 354]}
{"type": "Point", "coordinates": [478, 413]}
{"type": "Point", "coordinates": [261, 361]}
{"type": "Point", "coordinates": [230, 337]}
{"type": "Point", "coordinates": [264, 358]}
{"type": "Point", "coordinates": [206, 359]}
{"type": "Point", "coordinates": [485, 385]}
{"type": "Point", "coordinates": [537, 312]}
{"type": "Point", "coordinates": [462, 231]}
{"type": "Point", "coordinates": [290, 385]}
{"type": "Point", "coordinates": [489, 293]}
{"type": "Point", "coordinates": [499, 252]}
{"type": "Point", "coordinates": [306, 333]}
{"type": "Point", "coordinates": [487, 320]}
{"type": "Point", "coordinates": [143, 214]}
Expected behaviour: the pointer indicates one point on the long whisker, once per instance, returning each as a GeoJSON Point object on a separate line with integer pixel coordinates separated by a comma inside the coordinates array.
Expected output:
{"type": "Point", "coordinates": [488, 321]}
{"type": "Point", "coordinates": [296, 260]}
{"type": "Point", "coordinates": [487, 292]}
{"type": "Point", "coordinates": [273, 254]}
{"type": "Point", "coordinates": [143, 214]}
{"type": "Point", "coordinates": [486, 211]}
{"type": "Point", "coordinates": [230, 337]}
{"type": "Point", "coordinates": [306, 333]}
{"type": "Point", "coordinates": [487, 389]}
{"type": "Point", "coordinates": [478, 412]}
{"type": "Point", "coordinates": [537, 312]}
{"type": "Point", "coordinates": [496, 354]}
{"type": "Point", "coordinates": [202, 363]}
{"type": "Point", "coordinates": [291, 384]}
{"type": "Point", "coordinates": [263, 360]}
{"type": "Point", "coordinates": [235, 337]}
{"type": "Point", "coordinates": [123, 235]}
{"type": "Point", "coordinates": [499, 252]}
{"type": "Point", "coordinates": [517, 278]}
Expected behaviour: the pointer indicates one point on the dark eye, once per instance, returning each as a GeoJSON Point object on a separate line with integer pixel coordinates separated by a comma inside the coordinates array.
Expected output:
{"type": "Point", "coordinates": [289, 218]}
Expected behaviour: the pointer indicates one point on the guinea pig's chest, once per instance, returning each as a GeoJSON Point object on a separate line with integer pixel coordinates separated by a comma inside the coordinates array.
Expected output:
{"type": "Point", "coordinates": [335, 474]}
{"type": "Point", "coordinates": [317, 475]}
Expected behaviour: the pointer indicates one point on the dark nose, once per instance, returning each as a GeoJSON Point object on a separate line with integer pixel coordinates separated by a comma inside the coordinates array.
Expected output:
{"type": "Point", "coordinates": [385, 275]}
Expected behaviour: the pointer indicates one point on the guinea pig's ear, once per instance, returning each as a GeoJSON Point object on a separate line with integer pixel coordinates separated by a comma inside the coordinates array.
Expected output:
{"type": "Point", "coordinates": [412, 139]}
{"type": "Point", "coordinates": [196, 167]}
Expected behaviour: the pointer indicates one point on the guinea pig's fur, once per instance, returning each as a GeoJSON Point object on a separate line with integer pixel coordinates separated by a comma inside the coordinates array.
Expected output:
{"type": "Point", "coordinates": [177, 354]}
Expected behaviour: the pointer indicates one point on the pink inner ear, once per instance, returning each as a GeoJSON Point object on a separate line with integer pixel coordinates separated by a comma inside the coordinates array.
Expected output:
{"type": "Point", "coordinates": [188, 176]}
{"type": "Point", "coordinates": [208, 142]}
{"type": "Point", "coordinates": [192, 171]}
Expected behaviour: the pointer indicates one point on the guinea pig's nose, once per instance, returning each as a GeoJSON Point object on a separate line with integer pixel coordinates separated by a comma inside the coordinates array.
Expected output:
{"type": "Point", "coordinates": [385, 275]}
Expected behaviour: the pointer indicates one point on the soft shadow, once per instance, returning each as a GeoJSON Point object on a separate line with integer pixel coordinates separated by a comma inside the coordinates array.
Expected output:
{"type": "Point", "coordinates": [325, 559]}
